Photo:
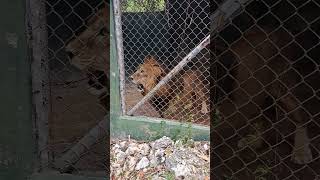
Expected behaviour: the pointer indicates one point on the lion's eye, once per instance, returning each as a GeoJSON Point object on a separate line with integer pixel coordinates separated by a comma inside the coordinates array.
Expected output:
{"type": "Point", "coordinates": [142, 71]}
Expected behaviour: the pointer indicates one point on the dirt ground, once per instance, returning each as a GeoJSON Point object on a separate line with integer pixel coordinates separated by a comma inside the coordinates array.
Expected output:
{"type": "Point", "coordinates": [74, 112]}
{"type": "Point", "coordinates": [132, 97]}
{"type": "Point", "coordinates": [175, 112]}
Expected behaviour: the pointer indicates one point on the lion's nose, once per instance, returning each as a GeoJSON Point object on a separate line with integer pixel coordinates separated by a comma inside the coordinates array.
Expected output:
{"type": "Point", "coordinates": [70, 54]}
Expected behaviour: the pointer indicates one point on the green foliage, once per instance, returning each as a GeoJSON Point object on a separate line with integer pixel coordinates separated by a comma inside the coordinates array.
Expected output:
{"type": "Point", "coordinates": [143, 5]}
{"type": "Point", "coordinates": [176, 133]}
{"type": "Point", "coordinates": [169, 175]}
{"type": "Point", "coordinates": [260, 172]}
{"type": "Point", "coordinates": [184, 134]}
{"type": "Point", "coordinates": [216, 118]}
{"type": "Point", "coordinates": [159, 133]}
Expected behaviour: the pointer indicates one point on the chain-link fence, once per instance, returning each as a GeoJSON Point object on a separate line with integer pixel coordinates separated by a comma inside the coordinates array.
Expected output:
{"type": "Point", "coordinates": [76, 39]}
{"type": "Point", "coordinates": [157, 36]}
{"type": "Point", "coordinates": [265, 66]}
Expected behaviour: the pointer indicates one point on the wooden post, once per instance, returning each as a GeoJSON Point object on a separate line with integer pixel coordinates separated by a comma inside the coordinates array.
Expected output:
{"type": "Point", "coordinates": [40, 76]}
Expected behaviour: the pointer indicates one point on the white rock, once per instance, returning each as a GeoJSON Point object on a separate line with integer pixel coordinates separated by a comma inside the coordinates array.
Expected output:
{"type": "Point", "coordinates": [123, 145]}
{"type": "Point", "coordinates": [159, 152]}
{"type": "Point", "coordinates": [115, 147]}
{"type": "Point", "coordinates": [185, 162]}
{"type": "Point", "coordinates": [153, 162]}
{"type": "Point", "coordinates": [118, 172]}
{"type": "Point", "coordinates": [162, 143]}
{"type": "Point", "coordinates": [163, 155]}
{"type": "Point", "coordinates": [132, 149]}
{"type": "Point", "coordinates": [162, 160]}
{"type": "Point", "coordinates": [206, 147]}
{"type": "Point", "coordinates": [115, 165]}
{"type": "Point", "coordinates": [151, 153]}
{"type": "Point", "coordinates": [130, 163]}
{"type": "Point", "coordinates": [156, 157]}
{"type": "Point", "coordinates": [143, 163]}
{"type": "Point", "coordinates": [152, 145]}
{"type": "Point", "coordinates": [181, 170]}
{"type": "Point", "coordinates": [121, 157]}
{"type": "Point", "coordinates": [144, 149]}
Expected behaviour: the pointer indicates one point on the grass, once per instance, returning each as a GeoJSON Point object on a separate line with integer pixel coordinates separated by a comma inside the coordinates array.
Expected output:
{"type": "Point", "coordinates": [160, 133]}
{"type": "Point", "coordinates": [168, 175]}
{"type": "Point", "coordinates": [143, 5]}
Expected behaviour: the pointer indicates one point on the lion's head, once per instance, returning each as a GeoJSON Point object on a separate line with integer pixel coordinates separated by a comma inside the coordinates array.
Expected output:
{"type": "Point", "coordinates": [148, 75]}
{"type": "Point", "coordinates": [90, 50]}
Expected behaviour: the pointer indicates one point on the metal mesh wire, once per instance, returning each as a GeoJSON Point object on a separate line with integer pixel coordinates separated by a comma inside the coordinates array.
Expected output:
{"type": "Point", "coordinates": [167, 31]}
{"type": "Point", "coordinates": [78, 55]}
{"type": "Point", "coordinates": [265, 91]}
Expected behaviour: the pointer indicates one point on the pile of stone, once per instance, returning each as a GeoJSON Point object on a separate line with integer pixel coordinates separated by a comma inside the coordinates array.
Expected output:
{"type": "Point", "coordinates": [160, 159]}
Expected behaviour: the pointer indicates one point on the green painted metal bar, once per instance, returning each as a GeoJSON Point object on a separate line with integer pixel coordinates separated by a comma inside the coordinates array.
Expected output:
{"type": "Point", "coordinates": [16, 141]}
{"type": "Point", "coordinates": [115, 106]}
{"type": "Point", "coordinates": [149, 128]}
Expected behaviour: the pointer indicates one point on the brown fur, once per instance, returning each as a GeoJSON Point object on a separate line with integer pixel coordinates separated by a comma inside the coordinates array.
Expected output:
{"type": "Point", "coordinates": [90, 49]}
{"type": "Point", "coordinates": [89, 52]}
{"type": "Point", "coordinates": [259, 73]}
{"type": "Point", "coordinates": [190, 82]}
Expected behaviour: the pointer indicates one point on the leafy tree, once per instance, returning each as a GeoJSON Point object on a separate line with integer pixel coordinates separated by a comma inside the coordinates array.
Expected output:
{"type": "Point", "coordinates": [142, 5]}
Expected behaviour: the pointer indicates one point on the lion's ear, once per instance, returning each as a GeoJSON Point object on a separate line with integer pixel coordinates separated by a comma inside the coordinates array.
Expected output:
{"type": "Point", "coordinates": [150, 59]}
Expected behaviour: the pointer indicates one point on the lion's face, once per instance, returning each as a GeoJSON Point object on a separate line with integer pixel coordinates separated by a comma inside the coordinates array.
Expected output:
{"type": "Point", "coordinates": [147, 75]}
{"type": "Point", "coordinates": [91, 48]}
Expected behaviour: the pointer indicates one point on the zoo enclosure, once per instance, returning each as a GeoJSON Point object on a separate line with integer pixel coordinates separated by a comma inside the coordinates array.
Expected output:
{"type": "Point", "coordinates": [169, 31]}
{"type": "Point", "coordinates": [255, 133]}
{"type": "Point", "coordinates": [264, 59]}
{"type": "Point", "coordinates": [70, 120]}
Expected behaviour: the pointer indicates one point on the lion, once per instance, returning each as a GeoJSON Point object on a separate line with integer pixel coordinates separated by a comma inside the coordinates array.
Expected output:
{"type": "Point", "coordinates": [89, 52]}
{"type": "Point", "coordinates": [260, 73]}
{"type": "Point", "coordinates": [189, 83]}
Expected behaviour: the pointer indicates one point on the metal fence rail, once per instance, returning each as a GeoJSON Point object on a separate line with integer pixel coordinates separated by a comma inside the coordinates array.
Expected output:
{"type": "Point", "coordinates": [265, 92]}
